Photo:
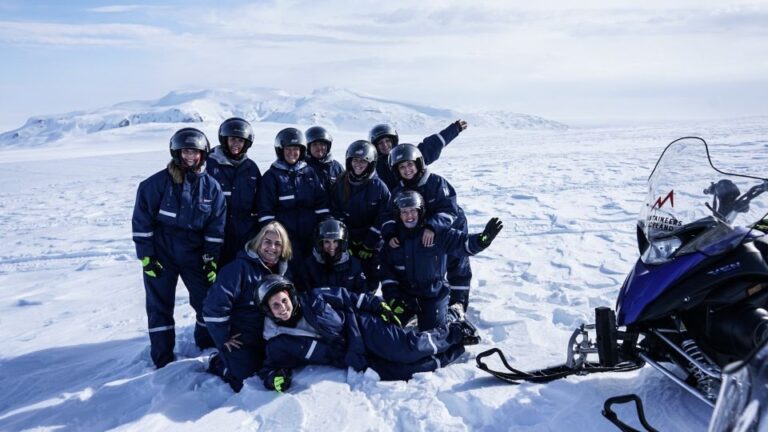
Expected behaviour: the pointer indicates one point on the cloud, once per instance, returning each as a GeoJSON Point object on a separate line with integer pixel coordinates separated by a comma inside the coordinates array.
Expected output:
{"type": "Point", "coordinates": [443, 52]}
{"type": "Point", "coordinates": [43, 33]}
{"type": "Point", "coordinates": [124, 8]}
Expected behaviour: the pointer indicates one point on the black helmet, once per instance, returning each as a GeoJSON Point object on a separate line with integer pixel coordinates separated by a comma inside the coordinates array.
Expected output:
{"type": "Point", "coordinates": [189, 138]}
{"type": "Point", "coordinates": [408, 199]}
{"type": "Point", "coordinates": [290, 137]}
{"type": "Point", "coordinates": [319, 133]}
{"type": "Point", "coordinates": [381, 131]}
{"type": "Point", "coordinates": [364, 150]}
{"type": "Point", "coordinates": [272, 284]}
{"type": "Point", "coordinates": [406, 152]}
{"type": "Point", "coordinates": [235, 127]}
{"type": "Point", "coordinates": [331, 229]}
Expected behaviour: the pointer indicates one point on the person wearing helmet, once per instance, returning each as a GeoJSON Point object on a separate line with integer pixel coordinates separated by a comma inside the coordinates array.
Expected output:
{"type": "Point", "coordinates": [239, 178]}
{"type": "Point", "coordinates": [385, 138]}
{"type": "Point", "coordinates": [440, 196]}
{"type": "Point", "coordinates": [412, 273]}
{"type": "Point", "coordinates": [331, 264]}
{"type": "Point", "coordinates": [339, 328]}
{"type": "Point", "coordinates": [178, 228]}
{"type": "Point", "coordinates": [234, 318]}
{"type": "Point", "coordinates": [319, 142]}
{"type": "Point", "coordinates": [292, 193]}
{"type": "Point", "coordinates": [358, 199]}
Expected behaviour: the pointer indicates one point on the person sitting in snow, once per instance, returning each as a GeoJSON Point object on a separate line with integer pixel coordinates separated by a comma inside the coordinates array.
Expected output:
{"type": "Point", "coordinates": [331, 264]}
{"type": "Point", "coordinates": [357, 199]}
{"type": "Point", "coordinates": [444, 213]}
{"type": "Point", "coordinates": [319, 142]}
{"type": "Point", "coordinates": [385, 138]}
{"type": "Point", "coordinates": [239, 178]}
{"type": "Point", "coordinates": [231, 311]}
{"type": "Point", "coordinates": [178, 228]}
{"type": "Point", "coordinates": [292, 193]}
{"type": "Point", "coordinates": [413, 273]}
{"type": "Point", "coordinates": [338, 328]}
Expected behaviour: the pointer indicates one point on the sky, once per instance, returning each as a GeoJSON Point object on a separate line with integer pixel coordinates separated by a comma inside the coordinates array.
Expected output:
{"type": "Point", "coordinates": [575, 62]}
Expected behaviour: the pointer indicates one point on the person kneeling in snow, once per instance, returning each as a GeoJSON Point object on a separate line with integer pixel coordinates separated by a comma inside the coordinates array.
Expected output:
{"type": "Point", "coordinates": [335, 327]}
{"type": "Point", "coordinates": [412, 272]}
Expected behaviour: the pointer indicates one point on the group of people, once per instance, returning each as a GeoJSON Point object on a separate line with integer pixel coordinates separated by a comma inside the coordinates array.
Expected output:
{"type": "Point", "coordinates": [283, 268]}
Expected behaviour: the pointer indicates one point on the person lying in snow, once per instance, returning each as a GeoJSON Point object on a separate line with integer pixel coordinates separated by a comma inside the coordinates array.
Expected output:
{"type": "Point", "coordinates": [335, 327]}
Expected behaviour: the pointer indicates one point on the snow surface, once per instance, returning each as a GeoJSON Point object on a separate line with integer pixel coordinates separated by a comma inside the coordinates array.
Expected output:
{"type": "Point", "coordinates": [75, 347]}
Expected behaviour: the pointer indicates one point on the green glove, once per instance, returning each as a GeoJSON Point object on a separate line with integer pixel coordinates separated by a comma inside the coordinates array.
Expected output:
{"type": "Point", "coordinates": [209, 268]}
{"type": "Point", "coordinates": [399, 307]}
{"type": "Point", "coordinates": [152, 266]}
{"type": "Point", "coordinates": [492, 229]}
{"type": "Point", "coordinates": [365, 253]}
{"type": "Point", "coordinates": [278, 380]}
{"type": "Point", "coordinates": [388, 315]}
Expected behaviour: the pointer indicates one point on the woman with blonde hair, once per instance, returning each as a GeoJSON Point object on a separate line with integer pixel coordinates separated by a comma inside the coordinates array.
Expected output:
{"type": "Point", "coordinates": [231, 309]}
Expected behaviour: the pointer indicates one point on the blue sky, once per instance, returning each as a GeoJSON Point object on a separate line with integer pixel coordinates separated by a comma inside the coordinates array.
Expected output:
{"type": "Point", "coordinates": [587, 61]}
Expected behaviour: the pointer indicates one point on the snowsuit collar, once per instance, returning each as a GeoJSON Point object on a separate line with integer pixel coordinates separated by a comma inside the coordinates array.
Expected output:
{"type": "Point", "coordinates": [281, 165]}
{"type": "Point", "coordinates": [311, 160]}
{"type": "Point", "coordinates": [219, 156]}
{"type": "Point", "coordinates": [282, 265]}
{"type": "Point", "coordinates": [302, 328]}
{"type": "Point", "coordinates": [178, 175]}
{"type": "Point", "coordinates": [319, 257]}
{"type": "Point", "coordinates": [422, 180]}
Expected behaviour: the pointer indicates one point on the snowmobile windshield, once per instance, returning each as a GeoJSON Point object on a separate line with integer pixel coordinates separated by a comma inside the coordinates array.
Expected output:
{"type": "Point", "coordinates": [691, 206]}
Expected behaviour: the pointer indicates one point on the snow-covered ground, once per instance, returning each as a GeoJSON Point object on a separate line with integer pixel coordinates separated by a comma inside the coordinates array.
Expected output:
{"type": "Point", "coordinates": [75, 348]}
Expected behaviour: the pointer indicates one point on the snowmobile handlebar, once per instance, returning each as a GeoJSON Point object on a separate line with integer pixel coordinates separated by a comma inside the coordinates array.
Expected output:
{"type": "Point", "coordinates": [727, 201]}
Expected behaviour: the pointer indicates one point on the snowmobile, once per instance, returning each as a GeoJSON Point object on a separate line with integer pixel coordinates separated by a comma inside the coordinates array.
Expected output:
{"type": "Point", "coordinates": [696, 298]}
{"type": "Point", "coordinates": [743, 401]}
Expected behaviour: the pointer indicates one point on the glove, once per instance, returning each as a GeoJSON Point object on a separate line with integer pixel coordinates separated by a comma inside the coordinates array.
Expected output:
{"type": "Point", "coordinates": [209, 268]}
{"type": "Point", "coordinates": [278, 380]}
{"type": "Point", "coordinates": [399, 307]}
{"type": "Point", "coordinates": [152, 266]}
{"type": "Point", "coordinates": [365, 253]}
{"type": "Point", "coordinates": [492, 229]}
{"type": "Point", "coordinates": [388, 315]}
{"type": "Point", "coordinates": [461, 124]}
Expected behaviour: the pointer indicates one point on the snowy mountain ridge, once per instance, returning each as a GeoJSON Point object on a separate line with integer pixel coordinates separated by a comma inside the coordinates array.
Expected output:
{"type": "Point", "coordinates": [336, 108]}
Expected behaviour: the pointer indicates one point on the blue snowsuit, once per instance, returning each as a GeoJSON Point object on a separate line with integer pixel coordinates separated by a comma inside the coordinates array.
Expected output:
{"type": "Point", "coordinates": [239, 180]}
{"type": "Point", "coordinates": [232, 307]}
{"type": "Point", "coordinates": [342, 329]}
{"type": "Point", "coordinates": [327, 169]}
{"type": "Point", "coordinates": [294, 195]}
{"type": "Point", "coordinates": [416, 274]}
{"type": "Point", "coordinates": [177, 224]}
{"type": "Point", "coordinates": [430, 148]}
{"type": "Point", "coordinates": [346, 273]}
{"type": "Point", "coordinates": [360, 205]}
{"type": "Point", "coordinates": [443, 212]}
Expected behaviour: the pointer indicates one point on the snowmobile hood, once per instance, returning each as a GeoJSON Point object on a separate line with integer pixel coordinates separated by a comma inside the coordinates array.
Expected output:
{"type": "Point", "coordinates": [645, 283]}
